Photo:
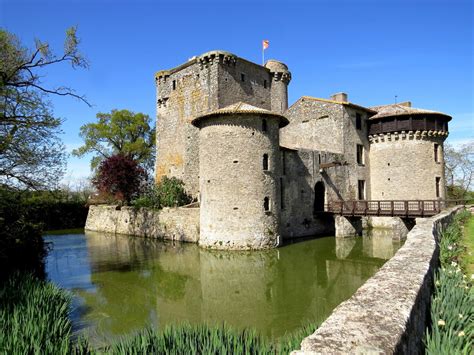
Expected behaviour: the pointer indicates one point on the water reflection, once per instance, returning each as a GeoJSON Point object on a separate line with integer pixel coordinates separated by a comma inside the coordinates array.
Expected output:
{"type": "Point", "coordinates": [124, 283]}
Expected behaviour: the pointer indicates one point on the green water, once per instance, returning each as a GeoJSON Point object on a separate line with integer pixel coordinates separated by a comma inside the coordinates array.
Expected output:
{"type": "Point", "coordinates": [122, 284]}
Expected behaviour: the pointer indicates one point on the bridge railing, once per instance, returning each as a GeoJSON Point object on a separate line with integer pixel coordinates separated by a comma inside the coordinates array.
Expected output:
{"type": "Point", "coordinates": [409, 208]}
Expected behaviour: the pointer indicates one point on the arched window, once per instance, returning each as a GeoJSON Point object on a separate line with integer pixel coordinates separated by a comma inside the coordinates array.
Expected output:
{"type": "Point", "coordinates": [265, 162]}
{"type": "Point", "coordinates": [266, 204]}
{"type": "Point", "coordinates": [264, 125]}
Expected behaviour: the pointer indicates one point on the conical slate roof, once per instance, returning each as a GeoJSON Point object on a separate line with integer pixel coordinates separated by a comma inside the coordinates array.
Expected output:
{"type": "Point", "coordinates": [240, 108]}
{"type": "Point", "coordinates": [402, 110]}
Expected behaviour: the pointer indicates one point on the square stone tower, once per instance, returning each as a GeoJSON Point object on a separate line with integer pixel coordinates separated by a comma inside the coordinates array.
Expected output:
{"type": "Point", "coordinates": [203, 84]}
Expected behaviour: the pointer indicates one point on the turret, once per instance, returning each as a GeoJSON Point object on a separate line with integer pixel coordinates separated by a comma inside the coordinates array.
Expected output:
{"type": "Point", "coordinates": [239, 169]}
{"type": "Point", "coordinates": [281, 77]}
{"type": "Point", "coordinates": [406, 153]}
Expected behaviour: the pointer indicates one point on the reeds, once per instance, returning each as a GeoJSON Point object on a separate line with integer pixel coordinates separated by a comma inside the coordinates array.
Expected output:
{"type": "Point", "coordinates": [205, 339]}
{"type": "Point", "coordinates": [452, 304]}
{"type": "Point", "coordinates": [34, 320]}
{"type": "Point", "coordinates": [33, 317]}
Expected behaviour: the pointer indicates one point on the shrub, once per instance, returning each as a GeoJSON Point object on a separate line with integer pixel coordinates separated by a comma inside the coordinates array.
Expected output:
{"type": "Point", "coordinates": [21, 243]}
{"type": "Point", "coordinates": [169, 192]}
{"type": "Point", "coordinates": [120, 177]}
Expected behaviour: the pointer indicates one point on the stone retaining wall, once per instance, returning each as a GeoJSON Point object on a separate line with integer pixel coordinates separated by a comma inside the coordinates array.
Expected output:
{"type": "Point", "coordinates": [387, 314]}
{"type": "Point", "coordinates": [169, 223]}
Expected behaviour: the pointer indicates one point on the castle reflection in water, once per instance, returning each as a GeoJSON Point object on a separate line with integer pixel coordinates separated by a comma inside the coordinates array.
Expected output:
{"type": "Point", "coordinates": [123, 284]}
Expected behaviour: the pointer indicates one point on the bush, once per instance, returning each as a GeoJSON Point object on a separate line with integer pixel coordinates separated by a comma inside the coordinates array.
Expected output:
{"type": "Point", "coordinates": [120, 177]}
{"type": "Point", "coordinates": [23, 217]}
{"type": "Point", "coordinates": [21, 243]}
{"type": "Point", "coordinates": [169, 192]}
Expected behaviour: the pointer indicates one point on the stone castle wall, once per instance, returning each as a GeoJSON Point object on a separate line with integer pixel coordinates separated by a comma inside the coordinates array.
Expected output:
{"type": "Point", "coordinates": [182, 94]}
{"type": "Point", "coordinates": [300, 175]}
{"type": "Point", "coordinates": [403, 167]}
{"type": "Point", "coordinates": [351, 138]}
{"type": "Point", "coordinates": [233, 183]}
{"type": "Point", "coordinates": [169, 223]}
{"type": "Point", "coordinates": [310, 122]}
{"type": "Point", "coordinates": [244, 81]}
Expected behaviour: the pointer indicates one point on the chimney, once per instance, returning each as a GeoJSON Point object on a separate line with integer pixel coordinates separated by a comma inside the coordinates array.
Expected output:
{"type": "Point", "coordinates": [340, 96]}
{"type": "Point", "coordinates": [406, 103]}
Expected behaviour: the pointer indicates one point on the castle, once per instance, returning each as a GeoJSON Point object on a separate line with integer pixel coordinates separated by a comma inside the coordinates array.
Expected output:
{"type": "Point", "coordinates": [264, 171]}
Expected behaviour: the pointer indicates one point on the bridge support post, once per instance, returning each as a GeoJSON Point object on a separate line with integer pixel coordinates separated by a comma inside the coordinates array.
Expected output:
{"type": "Point", "coordinates": [348, 226]}
{"type": "Point", "coordinates": [399, 227]}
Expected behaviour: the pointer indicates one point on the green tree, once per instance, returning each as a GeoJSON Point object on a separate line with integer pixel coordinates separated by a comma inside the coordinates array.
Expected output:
{"type": "Point", "coordinates": [31, 153]}
{"type": "Point", "coordinates": [119, 132]}
{"type": "Point", "coordinates": [459, 170]}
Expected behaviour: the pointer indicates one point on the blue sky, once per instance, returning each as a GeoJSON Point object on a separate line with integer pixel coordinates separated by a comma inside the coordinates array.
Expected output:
{"type": "Point", "coordinates": [419, 50]}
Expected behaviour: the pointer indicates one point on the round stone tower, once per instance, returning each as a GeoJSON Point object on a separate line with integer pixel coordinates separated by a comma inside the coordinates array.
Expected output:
{"type": "Point", "coordinates": [239, 170]}
{"type": "Point", "coordinates": [406, 153]}
{"type": "Point", "coordinates": [281, 77]}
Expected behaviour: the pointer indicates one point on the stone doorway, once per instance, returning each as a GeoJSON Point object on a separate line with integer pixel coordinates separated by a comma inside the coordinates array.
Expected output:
{"type": "Point", "coordinates": [319, 194]}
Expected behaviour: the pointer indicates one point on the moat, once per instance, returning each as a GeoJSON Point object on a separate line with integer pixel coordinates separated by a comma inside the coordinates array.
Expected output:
{"type": "Point", "coordinates": [121, 284]}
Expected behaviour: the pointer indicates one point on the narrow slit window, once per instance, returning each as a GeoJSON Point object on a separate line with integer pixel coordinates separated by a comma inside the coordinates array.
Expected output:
{"type": "Point", "coordinates": [283, 163]}
{"type": "Point", "coordinates": [282, 194]}
{"type": "Point", "coordinates": [264, 125]}
{"type": "Point", "coordinates": [358, 121]}
{"type": "Point", "coordinates": [438, 181]}
{"type": "Point", "coordinates": [436, 153]}
{"type": "Point", "coordinates": [265, 84]}
{"type": "Point", "coordinates": [174, 84]}
{"type": "Point", "coordinates": [361, 186]}
{"type": "Point", "coordinates": [242, 77]}
{"type": "Point", "coordinates": [266, 204]}
{"type": "Point", "coordinates": [360, 154]}
{"type": "Point", "coordinates": [265, 162]}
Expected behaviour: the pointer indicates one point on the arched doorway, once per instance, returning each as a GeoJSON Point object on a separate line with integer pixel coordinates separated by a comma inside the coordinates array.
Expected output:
{"type": "Point", "coordinates": [319, 191]}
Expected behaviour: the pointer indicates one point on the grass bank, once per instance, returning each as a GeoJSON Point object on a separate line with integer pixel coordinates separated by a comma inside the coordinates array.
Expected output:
{"type": "Point", "coordinates": [452, 304]}
{"type": "Point", "coordinates": [467, 256]}
{"type": "Point", "coordinates": [34, 320]}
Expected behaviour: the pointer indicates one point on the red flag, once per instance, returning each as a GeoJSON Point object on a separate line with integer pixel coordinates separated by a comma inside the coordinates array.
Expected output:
{"type": "Point", "coordinates": [265, 43]}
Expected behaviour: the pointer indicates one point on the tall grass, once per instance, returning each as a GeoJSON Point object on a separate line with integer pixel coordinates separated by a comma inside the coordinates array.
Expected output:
{"type": "Point", "coordinates": [205, 339]}
{"type": "Point", "coordinates": [34, 320]}
{"type": "Point", "coordinates": [33, 317]}
{"type": "Point", "coordinates": [452, 304]}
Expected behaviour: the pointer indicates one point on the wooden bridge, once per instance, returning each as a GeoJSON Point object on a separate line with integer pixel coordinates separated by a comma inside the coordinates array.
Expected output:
{"type": "Point", "coordinates": [414, 208]}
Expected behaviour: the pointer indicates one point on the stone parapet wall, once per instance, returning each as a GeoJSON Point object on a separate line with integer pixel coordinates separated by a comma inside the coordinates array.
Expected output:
{"type": "Point", "coordinates": [180, 224]}
{"type": "Point", "coordinates": [388, 314]}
